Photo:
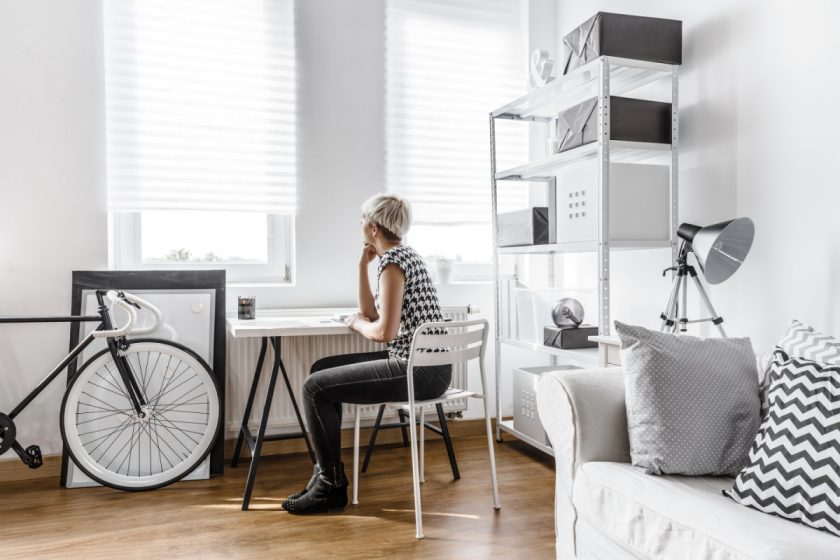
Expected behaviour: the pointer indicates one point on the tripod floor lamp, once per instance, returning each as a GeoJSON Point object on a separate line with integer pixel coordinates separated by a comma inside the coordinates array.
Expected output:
{"type": "Point", "coordinates": [719, 249]}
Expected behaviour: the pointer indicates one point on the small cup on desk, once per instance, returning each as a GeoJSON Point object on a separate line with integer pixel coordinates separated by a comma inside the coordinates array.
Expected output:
{"type": "Point", "coordinates": [247, 307]}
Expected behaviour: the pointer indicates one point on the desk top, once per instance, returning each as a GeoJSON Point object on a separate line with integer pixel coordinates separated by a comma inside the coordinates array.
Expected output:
{"type": "Point", "coordinates": [303, 323]}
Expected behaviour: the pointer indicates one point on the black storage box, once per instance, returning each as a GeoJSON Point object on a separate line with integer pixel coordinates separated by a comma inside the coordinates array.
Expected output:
{"type": "Point", "coordinates": [634, 120]}
{"type": "Point", "coordinates": [570, 338]}
{"type": "Point", "coordinates": [523, 227]}
{"type": "Point", "coordinates": [621, 35]}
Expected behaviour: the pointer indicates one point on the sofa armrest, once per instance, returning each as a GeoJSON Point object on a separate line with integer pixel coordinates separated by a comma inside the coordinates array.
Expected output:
{"type": "Point", "coordinates": [584, 417]}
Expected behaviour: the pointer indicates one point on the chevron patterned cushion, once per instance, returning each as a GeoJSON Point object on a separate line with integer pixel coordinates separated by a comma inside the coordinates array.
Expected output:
{"type": "Point", "coordinates": [794, 463]}
{"type": "Point", "coordinates": [802, 341]}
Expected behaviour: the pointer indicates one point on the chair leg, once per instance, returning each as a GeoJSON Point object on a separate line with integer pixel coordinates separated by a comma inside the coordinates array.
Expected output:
{"type": "Point", "coordinates": [404, 420]}
{"type": "Point", "coordinates": [447, 439]}
{"type": "Point", "coordinates": [374, 432]}
{"type": "Point", "coordinates": [356, 455]}
{"type": "Point", "coordinates": [415, 468]}
{"type": "Point", "coordinates": [422, 428]}
{"type": "Point", "coordinates": [491, 450]}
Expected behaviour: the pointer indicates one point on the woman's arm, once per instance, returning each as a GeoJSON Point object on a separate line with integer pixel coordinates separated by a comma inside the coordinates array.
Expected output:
{"type": "Point", "coordinates": [387, 325]}
{"type": "Point", "coordinates": [367, 305]}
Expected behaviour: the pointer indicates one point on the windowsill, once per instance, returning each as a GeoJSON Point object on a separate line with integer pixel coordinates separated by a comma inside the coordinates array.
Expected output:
{"type": "Point", "coordinates": [243, 285]}
{"type": "Point", "coordinates": [484, 282]}
{"type": "Point", "coordinates": [258, 285]}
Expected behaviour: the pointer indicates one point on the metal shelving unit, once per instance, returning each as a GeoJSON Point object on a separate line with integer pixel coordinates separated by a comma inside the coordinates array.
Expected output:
{"type": "Point", "coordinates": [601, 78]}
{"type": "Point", "coordinates": [582, 247]}
{"type": "Point", "coordinates": [507, 425]}
{"type": "Point", "coordinates": [585, 357]}
{"type": "Point", "coordinates": [619, 152]}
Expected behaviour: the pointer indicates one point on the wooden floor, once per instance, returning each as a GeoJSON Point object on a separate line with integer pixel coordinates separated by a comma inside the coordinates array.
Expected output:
{"type": "Point", "coordinates": [202, 519]}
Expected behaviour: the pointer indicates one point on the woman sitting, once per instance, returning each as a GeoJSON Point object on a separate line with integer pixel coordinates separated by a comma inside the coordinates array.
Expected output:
{"type": "Point", "coordinates": [405, 299]}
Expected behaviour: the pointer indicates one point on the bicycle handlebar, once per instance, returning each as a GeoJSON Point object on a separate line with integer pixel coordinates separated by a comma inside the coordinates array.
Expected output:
{"type": "Point", "coordinates": [150, 307]}
{"type": "Point", "coordinates": [120, 331]}
{"type": "Point", "coordinates": [123, 300]}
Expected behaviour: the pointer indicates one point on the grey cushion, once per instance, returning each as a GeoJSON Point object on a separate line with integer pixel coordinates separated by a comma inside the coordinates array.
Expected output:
{"type": "Point", "coordinates": [692, 404]}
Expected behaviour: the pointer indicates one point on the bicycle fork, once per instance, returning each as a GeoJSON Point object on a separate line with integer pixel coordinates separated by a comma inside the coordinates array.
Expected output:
{"type": "Point", "coordinates": [135, 394]}
{"type": "Point", "coordinates": [117, 347]}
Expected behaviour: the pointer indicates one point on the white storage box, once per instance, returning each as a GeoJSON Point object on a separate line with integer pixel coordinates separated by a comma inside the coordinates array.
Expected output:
{"type": "Point", "coordinates": [639, 203]}
{"type": "Point", "coordinates": [526, 419]}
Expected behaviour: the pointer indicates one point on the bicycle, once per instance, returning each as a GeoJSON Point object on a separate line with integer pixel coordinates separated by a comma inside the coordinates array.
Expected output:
{"type": "Point", "coordinates": [138, 415]}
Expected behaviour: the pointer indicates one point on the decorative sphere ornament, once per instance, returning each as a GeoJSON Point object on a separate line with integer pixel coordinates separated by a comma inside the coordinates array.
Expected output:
{"type": "Point", "coordinates": [568, 312]}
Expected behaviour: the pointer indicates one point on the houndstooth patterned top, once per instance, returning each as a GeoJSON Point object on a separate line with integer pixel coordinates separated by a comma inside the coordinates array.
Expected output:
{"type": "Point", "coordinates": [420, 299]}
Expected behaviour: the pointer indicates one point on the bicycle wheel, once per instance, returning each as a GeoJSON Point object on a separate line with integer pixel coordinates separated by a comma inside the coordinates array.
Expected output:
{"type": "Point", "coordinates": [116, 446]}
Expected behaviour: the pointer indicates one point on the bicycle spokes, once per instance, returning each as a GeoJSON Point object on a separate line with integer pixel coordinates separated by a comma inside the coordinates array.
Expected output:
{"type": "Point", "coordinates": [180, 412]}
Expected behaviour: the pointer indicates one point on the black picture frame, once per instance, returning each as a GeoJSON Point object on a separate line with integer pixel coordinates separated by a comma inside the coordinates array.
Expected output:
{"type": "Point", "coordinates": [159, 280]}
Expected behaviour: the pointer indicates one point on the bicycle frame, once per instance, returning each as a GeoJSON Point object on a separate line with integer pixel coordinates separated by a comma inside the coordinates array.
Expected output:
{"type": "Point", "coordinates": [114, 346]}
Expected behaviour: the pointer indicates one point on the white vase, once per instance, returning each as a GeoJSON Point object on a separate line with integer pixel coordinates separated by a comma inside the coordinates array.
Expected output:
{"type": "Point", "coordinates": [443, 271]}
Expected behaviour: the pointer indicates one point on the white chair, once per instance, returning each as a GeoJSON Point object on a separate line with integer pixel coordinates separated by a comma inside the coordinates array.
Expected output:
{"type": "Point", "coordinates": [464, 342]}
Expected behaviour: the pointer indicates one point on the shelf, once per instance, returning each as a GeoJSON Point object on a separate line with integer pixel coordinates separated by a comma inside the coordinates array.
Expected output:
{"type": "Point", "coordinates": [604, 76]}
{"type": "Point", "coordinates": [507, 426]}
{"type": "Point", "coordinates": [583, 247]}
{"type": "Point", "coordinates": [581, 84]}
{"type": "Point", "coordinates": [620, 152]}
{"type": "Point", "coordinates": [584, 356]}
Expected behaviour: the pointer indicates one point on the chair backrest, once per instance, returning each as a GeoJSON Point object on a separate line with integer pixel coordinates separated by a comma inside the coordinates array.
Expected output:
{"type": "Point", "coordinates": [448, 342]}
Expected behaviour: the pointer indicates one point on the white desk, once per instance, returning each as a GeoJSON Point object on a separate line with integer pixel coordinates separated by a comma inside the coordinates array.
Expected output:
{"type": "Point", "coordinates": [270, 329]}
{"type": "Point", "coordinates": [286, 325]}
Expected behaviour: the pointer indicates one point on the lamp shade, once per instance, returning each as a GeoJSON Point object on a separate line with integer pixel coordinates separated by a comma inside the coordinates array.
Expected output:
{"type": "Point", "coordinates": [720, 248]}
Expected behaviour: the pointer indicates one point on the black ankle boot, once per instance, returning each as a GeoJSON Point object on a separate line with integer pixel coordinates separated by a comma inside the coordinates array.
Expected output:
{"type": "Point", "coordinates": [328, 494]}
{"type": "Point", "coordinates": [316, 470]}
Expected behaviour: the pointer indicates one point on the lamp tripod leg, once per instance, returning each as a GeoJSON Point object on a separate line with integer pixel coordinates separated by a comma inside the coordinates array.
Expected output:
{"type": "Point", "coordinates": [669, 316]}
{"type": "Point", "coordinates": [716, 319]}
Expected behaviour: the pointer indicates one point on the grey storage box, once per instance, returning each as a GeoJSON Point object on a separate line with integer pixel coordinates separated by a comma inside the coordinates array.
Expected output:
{"type": "Point", "coordinates": [523, 227]}
{"type": "Point", "coordinates": [625, 36]}
{"type": "Point", "coordinates": [633, 120]}
{"type": "Point", "coordinates": [526, 419]}
{"type": "Point", "coordinates": [570, 338]}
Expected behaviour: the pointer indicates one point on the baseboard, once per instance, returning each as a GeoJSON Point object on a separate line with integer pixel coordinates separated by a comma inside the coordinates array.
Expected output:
{"type": "Point", "coordinates": [12, 469]}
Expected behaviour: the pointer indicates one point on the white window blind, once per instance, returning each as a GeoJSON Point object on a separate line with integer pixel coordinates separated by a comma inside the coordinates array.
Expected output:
{"type": "Point", "coordinates": [200, 105]}
{"type": "Point", "coordinates": [448, 64]}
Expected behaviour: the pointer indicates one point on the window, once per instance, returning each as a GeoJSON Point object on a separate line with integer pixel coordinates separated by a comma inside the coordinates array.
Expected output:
{"type": "Point", "coordinates": [201, 135]}
{"type": "Point", "coordinates": [448, 64]}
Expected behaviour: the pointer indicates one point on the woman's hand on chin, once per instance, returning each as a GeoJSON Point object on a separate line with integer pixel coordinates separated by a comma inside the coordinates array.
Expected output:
{"type": "Point", "coordinates": [368, 254]}
{"type": "Point", "coordinates": [355, 319]}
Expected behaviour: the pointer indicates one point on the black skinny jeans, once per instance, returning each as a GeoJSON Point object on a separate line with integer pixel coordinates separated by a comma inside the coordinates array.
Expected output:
{"type": "Point", "coordinates": [364, 378]}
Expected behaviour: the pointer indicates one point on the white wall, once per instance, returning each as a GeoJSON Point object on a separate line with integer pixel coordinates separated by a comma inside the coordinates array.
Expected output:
{"type": "Point", "coordinates": [758, 138]}
{"type": "Point", "coordinates": [52, 188]}
{"type": "Point", "coordinates": [341, 134]}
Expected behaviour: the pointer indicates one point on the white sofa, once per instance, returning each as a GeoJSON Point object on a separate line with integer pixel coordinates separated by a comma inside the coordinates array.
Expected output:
{"type": "Point", "coordinates": [606, 509]}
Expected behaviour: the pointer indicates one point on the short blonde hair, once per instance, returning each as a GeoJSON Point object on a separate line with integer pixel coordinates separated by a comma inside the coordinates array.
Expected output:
{"type": "Point", "coordinates": [391, 212]}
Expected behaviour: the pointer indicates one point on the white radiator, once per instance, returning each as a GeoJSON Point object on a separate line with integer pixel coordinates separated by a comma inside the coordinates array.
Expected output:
{"type": "Point", "coordinates": [299, 353]}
